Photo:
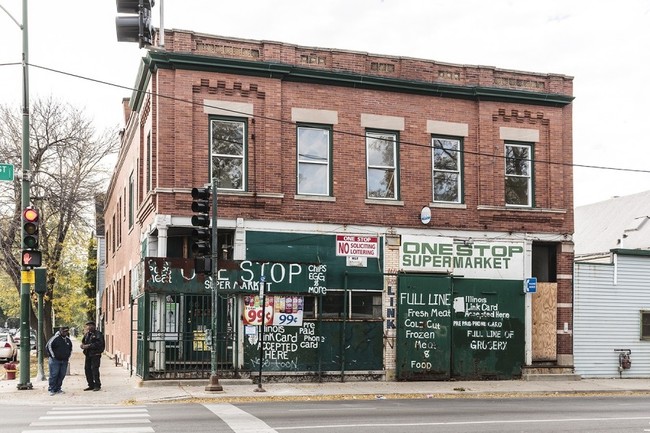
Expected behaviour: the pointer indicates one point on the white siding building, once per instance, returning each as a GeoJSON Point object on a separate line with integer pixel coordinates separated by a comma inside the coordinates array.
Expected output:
{"type": "Point", "coordinates": [612, 286]}
{"type": "Point", "coordinates": [612, 311]}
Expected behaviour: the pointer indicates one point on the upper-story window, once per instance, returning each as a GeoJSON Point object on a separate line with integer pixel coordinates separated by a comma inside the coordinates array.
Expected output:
{"type": "Point", "coordinates": [149, 173]}
{"type": "Point", "coordinates": [381, 158]}
{"type": "Point", "coordinates": [519, 178]}
{"type": "Point", "coordinates": [228, 153]}
{"type": "Point", "coordinates": [447, 164]}
{"type": "Point", "coordinates": [131, 199]}
{"type": "Point", "coordinates": [314, 145]}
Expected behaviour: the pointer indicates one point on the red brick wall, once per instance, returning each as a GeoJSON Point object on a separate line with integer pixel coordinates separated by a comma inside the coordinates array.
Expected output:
{"type": "Point", "coordinates": [179, 128]}
{"type": "Point", "coordinates": [182, 152]}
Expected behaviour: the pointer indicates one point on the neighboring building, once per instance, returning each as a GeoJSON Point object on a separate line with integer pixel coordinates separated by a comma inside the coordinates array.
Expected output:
{"type": "Point", "coordinates": [100, 278]}
{"type": "Point", "coordinates": [621, 222]}
{"type": "Point", "coordinates": [612, 274]}
{"type": "Point", "coordinates": [327, 164]}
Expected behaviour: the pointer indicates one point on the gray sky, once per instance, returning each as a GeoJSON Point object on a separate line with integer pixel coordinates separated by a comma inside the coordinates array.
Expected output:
{"type": "Point", "coordinates": [603, 44]}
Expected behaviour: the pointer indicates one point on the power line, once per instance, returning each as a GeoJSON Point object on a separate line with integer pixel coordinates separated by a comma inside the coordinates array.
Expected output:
{"type": "Point", "coordinates": [352, 134]}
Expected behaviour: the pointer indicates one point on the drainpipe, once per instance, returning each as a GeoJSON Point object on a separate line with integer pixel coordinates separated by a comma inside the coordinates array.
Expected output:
{"type": "Point", "coordinates": [345, 316]}
{"type": "Point", "coordinates": [131, 339]}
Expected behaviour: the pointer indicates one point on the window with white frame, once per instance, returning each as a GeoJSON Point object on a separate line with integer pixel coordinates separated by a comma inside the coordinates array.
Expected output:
{"type": "Point", "coordinates": [228, 153]}
{"type": "Point", "coordinates": [381, 158]}
{"type": "Point", "coordinates": [518, 182]}
{"type": "Point", "coordinates": [313, 160]}
{"type": "Point", "coordinates": [447, 163]}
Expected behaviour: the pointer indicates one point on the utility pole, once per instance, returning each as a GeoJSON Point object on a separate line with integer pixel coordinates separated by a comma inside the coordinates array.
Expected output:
{"type": "Point", "coordinates": [24, 382]}
{"type": "Point", "coordinates": [25, 301]}
{"type": "Point", "coordinates": [214, 384]}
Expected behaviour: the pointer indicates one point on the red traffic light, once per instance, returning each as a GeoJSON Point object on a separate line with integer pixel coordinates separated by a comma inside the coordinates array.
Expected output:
{"type": "Point", "coordinates": [30, 215]}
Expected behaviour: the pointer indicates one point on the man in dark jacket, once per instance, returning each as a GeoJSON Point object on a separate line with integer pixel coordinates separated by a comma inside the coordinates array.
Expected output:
{"type": "Point", "coordinates": [93, 347]}
{"type": "Point", "coordinates": [59, 349]}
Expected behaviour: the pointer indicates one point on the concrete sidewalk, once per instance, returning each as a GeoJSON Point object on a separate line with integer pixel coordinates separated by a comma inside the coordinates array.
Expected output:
{"type": "Point", "coordinates": [120, 387]}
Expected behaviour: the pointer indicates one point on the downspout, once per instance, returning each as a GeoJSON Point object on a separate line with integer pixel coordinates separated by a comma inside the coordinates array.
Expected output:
{"type": "Point", "coordinates": [320, 330]}
{"type": "Point", "coordinates": [345, 316]}
{"type": "Point", "coordinates": [131, 340]}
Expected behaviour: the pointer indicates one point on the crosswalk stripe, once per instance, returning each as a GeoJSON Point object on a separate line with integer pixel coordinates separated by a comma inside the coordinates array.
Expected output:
{"type": "Point", "coordinates": [238, 420]}
{"type": "Point", "coordinates": [76, 420]}
{"type": "Point", "coordinates": [95, 411]}
{"type": "Point", "coordinates": [97, 430]}
{"type": "Point", "coordinates": [113, 421]}
{"type": "Point", "coordinates": [71, 407]}
{"type": "Point", "coordinates": [111, 416]}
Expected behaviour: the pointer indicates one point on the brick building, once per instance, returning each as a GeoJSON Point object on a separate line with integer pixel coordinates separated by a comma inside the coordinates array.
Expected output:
{"type": "Point", "coordinates": [391, 208]}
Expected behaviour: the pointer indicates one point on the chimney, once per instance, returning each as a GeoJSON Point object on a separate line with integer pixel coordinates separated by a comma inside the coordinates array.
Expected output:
{"type": "Point", "coordinates": [127, 109]}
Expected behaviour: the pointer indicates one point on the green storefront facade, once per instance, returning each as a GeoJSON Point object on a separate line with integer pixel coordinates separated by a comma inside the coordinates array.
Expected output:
{"type": "Point", "coordinates": [334, 325]}
{"type": "Point", "coordinates": [460, 309]}
{"type": "Point", "coordinates": [455, 313]}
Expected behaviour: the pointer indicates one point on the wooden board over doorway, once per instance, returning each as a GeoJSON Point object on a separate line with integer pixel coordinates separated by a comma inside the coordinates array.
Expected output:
{"type": "Point", "coordinates": [545, 323]}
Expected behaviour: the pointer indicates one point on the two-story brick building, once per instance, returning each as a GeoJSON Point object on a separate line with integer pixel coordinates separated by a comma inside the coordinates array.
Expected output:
{"type": "Point", "coordinates": [392, 209]}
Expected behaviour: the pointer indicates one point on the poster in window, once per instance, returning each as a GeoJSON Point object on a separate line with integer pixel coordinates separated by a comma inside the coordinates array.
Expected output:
{"type": "Point", "coordinates": [288, 310]}
{"type": "Point", "coordinates": [253, 310]}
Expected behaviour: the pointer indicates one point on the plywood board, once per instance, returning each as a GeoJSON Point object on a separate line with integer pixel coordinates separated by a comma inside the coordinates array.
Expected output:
{"type": "Point", "coordinates": [545, 322]}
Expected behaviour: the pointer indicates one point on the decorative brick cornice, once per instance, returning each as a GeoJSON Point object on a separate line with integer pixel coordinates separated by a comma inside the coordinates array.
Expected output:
{"type": "Point", "coordinates": [342, 78]}
{"type": "Point", "coordinates": [228, 89]}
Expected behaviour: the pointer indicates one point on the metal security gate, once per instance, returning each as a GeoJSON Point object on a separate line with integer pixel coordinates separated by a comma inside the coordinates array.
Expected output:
{"type": "Point", "coordinates": [172, 330]}
{"type": "Point", "coordinates": [459, 328]}
{"type": "Point", "coordinates": [423, 327]}
{"type": "Point", "coordinates": [488, 332]}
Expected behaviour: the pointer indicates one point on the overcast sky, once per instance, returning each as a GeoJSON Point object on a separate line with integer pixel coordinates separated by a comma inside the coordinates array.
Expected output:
{"type": "Point", "coordinates": [603, 44]}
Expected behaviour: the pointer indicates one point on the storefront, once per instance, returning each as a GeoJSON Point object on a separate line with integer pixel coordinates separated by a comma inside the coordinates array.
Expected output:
{"type": "Point", "coordinates": [460, 309]}
{"type": "Point", "coordinates": [322, 311]}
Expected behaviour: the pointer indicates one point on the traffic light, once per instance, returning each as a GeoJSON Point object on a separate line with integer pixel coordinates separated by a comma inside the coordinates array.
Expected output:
{"type": "Point", "coordinates": [201, 234]}
{"type": "Point", "coordinates": [135, 25]}
{"type": "Point", "coordinates": [203, 265]}
{"type": "Point", "coordinates": [30, 255]}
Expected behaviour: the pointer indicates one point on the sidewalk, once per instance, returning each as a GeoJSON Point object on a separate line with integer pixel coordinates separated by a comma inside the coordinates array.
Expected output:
{"type": "Point", "coordinates": [119, 387]}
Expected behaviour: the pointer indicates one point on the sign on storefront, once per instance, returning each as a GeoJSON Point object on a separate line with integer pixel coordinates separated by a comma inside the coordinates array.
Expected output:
{"type": "Point", "coordinates": [281, 310]}
{"type": "Point", "coordinates": [357, 246]}
{"type": "Point", "coordinates": [248, 276]}
{"type": "Point", "coordinates": [530, 285]}
{"type": "Point", "coordinates": [500, 260]}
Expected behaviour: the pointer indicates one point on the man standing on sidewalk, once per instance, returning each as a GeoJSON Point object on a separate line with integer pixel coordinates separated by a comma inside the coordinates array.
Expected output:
{"type": "Point", "coordinates": [59, 349]}
{"type": "Point", "coordinates": [93, 347]}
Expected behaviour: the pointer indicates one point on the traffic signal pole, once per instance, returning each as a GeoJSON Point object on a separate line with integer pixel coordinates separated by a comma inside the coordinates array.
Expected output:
{"type": "Point", "coordinates": [214, 384]}
{"type": "Point", "coordinates": [24, 382]}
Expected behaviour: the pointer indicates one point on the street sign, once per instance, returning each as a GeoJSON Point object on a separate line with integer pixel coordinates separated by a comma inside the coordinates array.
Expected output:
{"type": "Point", "coordinates": [28, 277]}
{"type": "Point", "coordinates": [530, 285]}
{"type": "Point", "coordinates": [6, 172]}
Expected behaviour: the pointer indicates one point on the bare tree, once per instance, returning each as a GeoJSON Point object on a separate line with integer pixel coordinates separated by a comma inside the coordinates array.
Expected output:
{"type": "Point", "coordinates": [68, 160]}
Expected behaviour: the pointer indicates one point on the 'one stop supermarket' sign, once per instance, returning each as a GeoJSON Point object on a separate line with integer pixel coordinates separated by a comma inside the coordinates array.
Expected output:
{"type": "Point", "coordinates": [357, 246]}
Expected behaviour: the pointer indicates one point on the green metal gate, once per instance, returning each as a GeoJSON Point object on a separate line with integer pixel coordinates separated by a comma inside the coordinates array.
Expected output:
{"type": "Point", "coordinates": [423, 327]}
{"type": "Point", "coordinates": [459, 328]}
{"type": "Point", "coordinates": [171, 337]}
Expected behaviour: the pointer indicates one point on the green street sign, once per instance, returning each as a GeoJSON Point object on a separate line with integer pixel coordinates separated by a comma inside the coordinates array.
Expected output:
{"type": "Point", "coordinates": [6, 172]}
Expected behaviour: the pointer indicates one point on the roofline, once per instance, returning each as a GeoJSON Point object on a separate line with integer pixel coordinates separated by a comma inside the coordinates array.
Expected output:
{"type": "Point", "coordinates": [174, 60]}
{"type": "Point", "coordinates": [630, 252]}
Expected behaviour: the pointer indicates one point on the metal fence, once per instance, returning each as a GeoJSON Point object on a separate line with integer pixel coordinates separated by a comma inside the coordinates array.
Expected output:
{"type": "Point", "coordinates": [173, 336]}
